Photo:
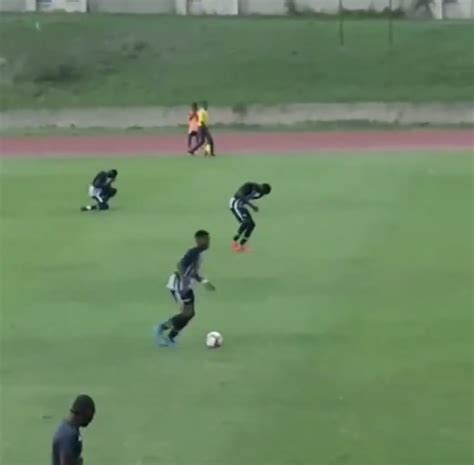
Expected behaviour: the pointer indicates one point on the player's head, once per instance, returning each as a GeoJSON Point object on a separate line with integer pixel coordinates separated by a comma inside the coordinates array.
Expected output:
{"type": "Point", "coordinates": [83, 410]}
{"type": "Point", "coordinates": [194, 106]}
{"type": "Point", "coordinates": [266, 188]}
{"type": "Point", "coordinates": [112, 174]}
{"type": "Point", "coordinates": [202, 239]}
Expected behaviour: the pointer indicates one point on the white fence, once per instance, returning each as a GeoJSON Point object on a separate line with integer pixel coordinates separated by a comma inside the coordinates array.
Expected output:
{"type": "Point", "coordinates": [449, 9]}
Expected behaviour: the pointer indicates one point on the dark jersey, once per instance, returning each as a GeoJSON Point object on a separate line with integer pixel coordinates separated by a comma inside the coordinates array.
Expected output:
{"type": "Point", "coordinates": [189, 266]}
{"type": "Point", "coordinates": [249, 191]}
{"type": "Point", "coordinates": [100, 180]}
{"type": "Point", "coordinates": [67, 441]}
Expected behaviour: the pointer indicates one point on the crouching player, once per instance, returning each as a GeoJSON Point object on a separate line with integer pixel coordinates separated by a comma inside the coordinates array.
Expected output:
{"type": "Point", "coordinates": [101, 190]}
{"type": "Point", "coordinates": [180, 285]}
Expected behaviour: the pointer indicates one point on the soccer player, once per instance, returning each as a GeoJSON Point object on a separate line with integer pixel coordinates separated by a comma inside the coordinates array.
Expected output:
{"type": "Point", "coordinates": [101, 190]}
{"type": "Point", "coordinates": [204, 134]}
{"type": "Point", "coordinates": [193, 125]}
{"type": "Point", "coordinates": [239, 207]}
{"type": "Point", "coordinates": [181, 285]}
{"type": "Point", "coordinates": [67, 441]}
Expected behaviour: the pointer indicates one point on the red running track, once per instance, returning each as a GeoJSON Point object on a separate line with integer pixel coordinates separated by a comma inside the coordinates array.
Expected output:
{"type": "Point", "coordinates": [236, 143]}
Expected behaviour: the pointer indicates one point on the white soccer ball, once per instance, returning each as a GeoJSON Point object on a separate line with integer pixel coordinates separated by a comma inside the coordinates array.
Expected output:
{"type": "Point", "coordinates": [214, 340]}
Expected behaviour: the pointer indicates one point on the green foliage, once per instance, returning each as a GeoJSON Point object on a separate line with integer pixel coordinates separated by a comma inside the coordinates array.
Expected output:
{"type": "Point", "coordinates": [103, 60]}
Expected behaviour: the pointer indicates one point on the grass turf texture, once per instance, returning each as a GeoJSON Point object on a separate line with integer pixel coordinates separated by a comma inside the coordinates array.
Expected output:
{"type": "Point", "coordinates": [347, 333]}
{"type": "Point", "coordinates": [95, 60]}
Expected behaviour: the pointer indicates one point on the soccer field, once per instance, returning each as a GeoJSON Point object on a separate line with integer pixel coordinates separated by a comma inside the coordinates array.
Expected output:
{"type": "Point", "coordinates": [347, 333]}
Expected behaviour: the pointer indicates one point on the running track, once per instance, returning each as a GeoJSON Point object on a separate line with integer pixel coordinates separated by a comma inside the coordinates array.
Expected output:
{"type": "Point", "coordinates": [240, 143]}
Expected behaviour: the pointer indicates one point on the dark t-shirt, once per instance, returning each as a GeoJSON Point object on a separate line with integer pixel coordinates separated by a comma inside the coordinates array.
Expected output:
{"type": "Point", "coordinates": [67, 441]}
{"type": "Point", "coordinates": [249, 191]}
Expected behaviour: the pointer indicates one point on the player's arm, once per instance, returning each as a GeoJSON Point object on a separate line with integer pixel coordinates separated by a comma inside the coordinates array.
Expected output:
{"type": "Point", "coordinates": [67, 454]}
{"type": "Point", "coordinates": [252, 206]}
{"type": "Point", "coordinates": [204, 281]}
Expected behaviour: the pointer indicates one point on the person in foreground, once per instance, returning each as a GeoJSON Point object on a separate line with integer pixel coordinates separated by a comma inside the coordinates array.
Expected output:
{"type": "Point", "coordinates": [180, 285]}
{"type": "Point", "coordinates": [67, 441]}
{"type": "Point", "coordinates": [204, 133]}
{"type": "Point", "coordinates": [239, 205]}
{"type": "Point", "coordinates": [101, 190]}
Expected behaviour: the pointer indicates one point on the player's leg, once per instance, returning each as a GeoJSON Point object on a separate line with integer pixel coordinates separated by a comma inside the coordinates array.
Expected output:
{"type": "Point", "coordinates": [192, 139]}
{"type": "Point", "coordinates": [110, 192]}
{"type": "Point", "coordinates": [248, 229]}
{"type": "Point", "coordinates": [101, 204]}
{"type": "Point", "coordinates": [101, 196]}
{"type": "Point", "coordinates": [201, 140]}
{"type": "Point", "coordinates": [210, 141]}
{"type": "Point", "coordinates": [177, 322]}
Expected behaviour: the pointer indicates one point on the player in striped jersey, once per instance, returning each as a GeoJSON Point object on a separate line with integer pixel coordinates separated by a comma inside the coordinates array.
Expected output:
{"type": "Point", "coordinates": [180, 284]}
{"type": "Point", "coordinates": [239, 205]}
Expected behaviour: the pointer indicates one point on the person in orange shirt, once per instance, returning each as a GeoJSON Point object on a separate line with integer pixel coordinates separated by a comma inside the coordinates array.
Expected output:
{"type": "Point", "coordinates": [193, 124]}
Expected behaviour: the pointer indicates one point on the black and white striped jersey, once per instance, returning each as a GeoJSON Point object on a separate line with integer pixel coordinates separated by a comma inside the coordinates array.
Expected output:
{"type": "Point", "coordinates": [188, 271]}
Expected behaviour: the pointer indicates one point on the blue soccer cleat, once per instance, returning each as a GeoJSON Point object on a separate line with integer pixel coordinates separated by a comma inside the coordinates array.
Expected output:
{"type": "Point", "coordinates": [160, 337]}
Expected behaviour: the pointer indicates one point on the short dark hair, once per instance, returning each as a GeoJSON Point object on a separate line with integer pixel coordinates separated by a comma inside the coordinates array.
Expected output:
{"type": "Point", "coordinates": [112, 173]}
{"type": "Point", "coordinates": [83, 403]}
{"type": "Point", "coordinates": [266, 188]}
{"type": "Point", "coordinates": [201, 233]}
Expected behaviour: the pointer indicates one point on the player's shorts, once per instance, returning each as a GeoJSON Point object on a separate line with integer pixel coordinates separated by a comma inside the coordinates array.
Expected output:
{"type": "Point", "coordinates": [96, 193]}
{"type": "Point", "coordinates": [238, 208]}
{"type": "Point", "coordinates": [179, 295]}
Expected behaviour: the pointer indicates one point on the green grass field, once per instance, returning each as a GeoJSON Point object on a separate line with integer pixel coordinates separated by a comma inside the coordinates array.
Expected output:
{"type": "Point", "coordinates": [348, 333]}
{"type": "Point", "coordinates": [96, 60]}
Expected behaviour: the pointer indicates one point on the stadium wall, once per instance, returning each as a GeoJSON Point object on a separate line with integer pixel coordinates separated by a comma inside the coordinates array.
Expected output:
{"type": "Point", "coordinates": [451, 9]}
{"type": "Point", "coordinates": [135, 6]}
{"type": "Point", "coordinates": [17, 5]}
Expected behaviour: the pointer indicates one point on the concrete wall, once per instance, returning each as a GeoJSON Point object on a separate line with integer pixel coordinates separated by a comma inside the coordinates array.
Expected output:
{"type": "Point", "coordinates": [452, 8]}
{"type": "Point", "coordinates": [212, 7]}
{"type": "Point", "coordinates": [17, 5]}
{"type": "Point", "coordinates": [459, 9]}
{"type": "Point", "coordinates": [133, 6]}
{"type": "Point", "coordinates": [279, 7]}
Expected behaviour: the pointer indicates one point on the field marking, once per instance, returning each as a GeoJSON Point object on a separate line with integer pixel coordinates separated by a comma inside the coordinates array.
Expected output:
{"type": "Point", "coordinates": [240, 143]}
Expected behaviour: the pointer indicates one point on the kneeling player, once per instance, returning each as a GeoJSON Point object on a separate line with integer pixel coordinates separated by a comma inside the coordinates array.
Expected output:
{"type": "Point", "coordinates": [180, 284]}
{"type": "Point", "coordinates": [238, 206]}
{"type": "Point", "coordinates": [101, 190]}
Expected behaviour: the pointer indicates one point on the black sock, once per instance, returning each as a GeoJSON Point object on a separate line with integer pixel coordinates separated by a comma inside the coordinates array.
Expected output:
{"type": "Point", "coordinates": [172, 334]}
{"type": "Point", "coordinates": [236, 237]}
{"type": "Point", "coordinates": [244, 240]}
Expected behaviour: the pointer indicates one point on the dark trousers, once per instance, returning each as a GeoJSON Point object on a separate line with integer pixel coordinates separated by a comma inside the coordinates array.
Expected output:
{"type": "Point", "coordinates": [204, 135]}
{"type": "Point", "coordinates": [192, 135]}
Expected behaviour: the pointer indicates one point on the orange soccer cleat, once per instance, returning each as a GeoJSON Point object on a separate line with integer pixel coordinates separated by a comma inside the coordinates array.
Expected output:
{"type": "Point", "coordinates": [243, 249]}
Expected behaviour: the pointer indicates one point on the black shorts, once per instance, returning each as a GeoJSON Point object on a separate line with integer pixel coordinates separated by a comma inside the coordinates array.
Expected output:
{"type": "Point", "coordinates": [180, 295]}
{"type": "Point", "coordinates": [184, 297]}
{"type": "Point", "coordinates": [240, 211]}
